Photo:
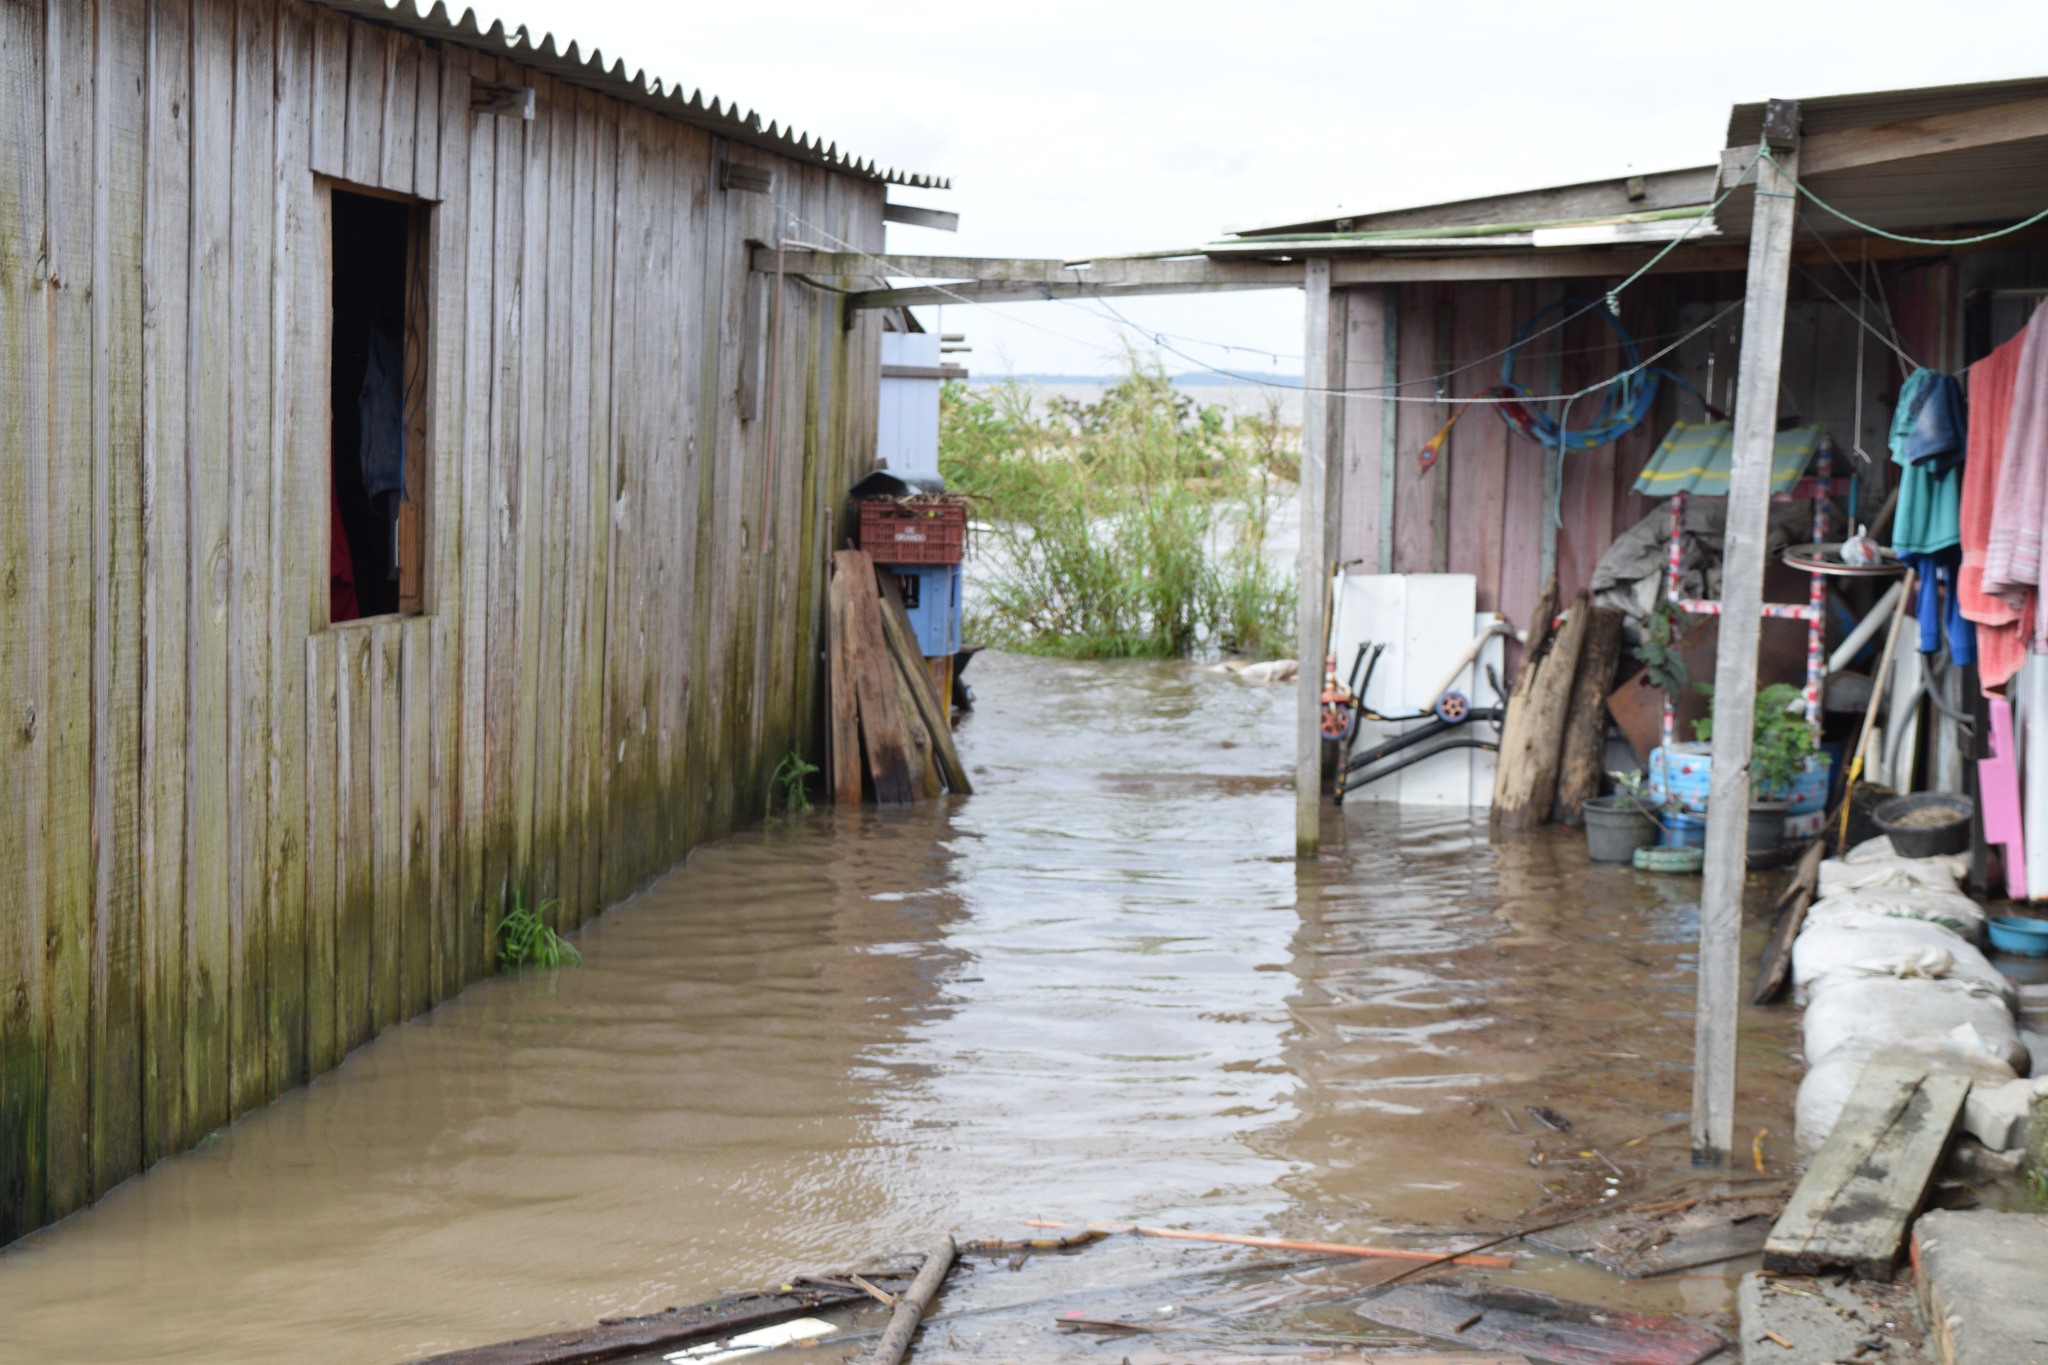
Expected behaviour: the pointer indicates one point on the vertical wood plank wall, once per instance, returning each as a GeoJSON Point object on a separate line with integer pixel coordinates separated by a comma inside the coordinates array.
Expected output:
{"type": "Point", "coordinates": [242, 841]}
{"type": "Point", "coordinates": [1494, 476]}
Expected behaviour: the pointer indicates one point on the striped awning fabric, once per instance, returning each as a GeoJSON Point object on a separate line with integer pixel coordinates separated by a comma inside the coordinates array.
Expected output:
{"type": "Point", "coordinates": [1695, 458]}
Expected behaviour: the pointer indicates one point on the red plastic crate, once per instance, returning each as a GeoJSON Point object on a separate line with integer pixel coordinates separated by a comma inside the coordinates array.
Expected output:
{"type": "Point", "coordinates": [913, 532]}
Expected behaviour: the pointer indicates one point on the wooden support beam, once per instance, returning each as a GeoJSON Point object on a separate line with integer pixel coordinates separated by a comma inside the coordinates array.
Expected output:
{"type": "Point", "coordinates": [1742, 592]}
{"type": "Point", "coordinates": [912, 216]}
{"type": "Point", "coordinates": [1313, 568]}
{"type": "Point", "coordinates": [1854, 148]}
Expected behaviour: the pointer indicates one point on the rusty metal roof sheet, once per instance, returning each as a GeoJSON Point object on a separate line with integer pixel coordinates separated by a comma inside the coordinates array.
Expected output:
{"type": "Point", "coordinates": [650, 92]}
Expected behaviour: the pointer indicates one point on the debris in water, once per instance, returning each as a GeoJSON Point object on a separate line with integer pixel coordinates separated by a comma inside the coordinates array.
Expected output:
{"type": "Point", "coordinates": [1549, 1118]}
{"type": "Point", "coordinates": [1542, 1327]}
{"type": "Point", "coordinates": [1286, 1244]}
{"type": "Point", "coordinates": [796, 1332]}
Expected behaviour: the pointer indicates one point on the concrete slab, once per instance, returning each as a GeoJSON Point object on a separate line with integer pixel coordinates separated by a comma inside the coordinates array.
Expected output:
{"type": "Point", "coordinates": [1797, 1320]}
{"type": "Point", "coordinates": [1980, 1279]}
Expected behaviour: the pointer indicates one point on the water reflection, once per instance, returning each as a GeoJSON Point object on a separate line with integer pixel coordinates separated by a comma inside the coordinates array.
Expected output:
{"type": "Point", "coordinates": [1099, 989]}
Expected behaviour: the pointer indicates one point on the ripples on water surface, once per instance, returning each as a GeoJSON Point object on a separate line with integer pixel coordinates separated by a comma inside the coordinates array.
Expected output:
{"type": "Point", "coordinates": [1100, 989]}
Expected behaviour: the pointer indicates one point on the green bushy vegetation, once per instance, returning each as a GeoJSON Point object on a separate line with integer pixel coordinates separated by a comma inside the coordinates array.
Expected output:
{"type": "Point", "coordinates": [1134, 526]}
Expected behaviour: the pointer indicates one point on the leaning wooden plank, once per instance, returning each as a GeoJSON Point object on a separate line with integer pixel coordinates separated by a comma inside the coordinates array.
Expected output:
{"type": "Point", "coordinates": [631, 1338]}
{"type": "Point", "coordinates": [1870, 1176]}
{"type": "Point", "coordinates": [1526, 783]}
{"type": "Point", "coordinates": [917, 747]}
{"type": "Point", "coordinates": [1776, 967]}
{"type": "Point", "coordinates": [843, 723]}
{"type": "Point", "coordinates": [1500, 1317]}
{"type": "Point", "coordinates": [881, 726]}
{"type": "Point", "coordinates": [913, 1304]}
{"type": "Point", "coordinates": [903, 644]}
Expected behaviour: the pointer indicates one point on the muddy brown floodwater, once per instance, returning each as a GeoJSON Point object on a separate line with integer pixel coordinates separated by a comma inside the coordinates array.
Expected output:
{"type": "Point", "coordinates": [1101, 989]}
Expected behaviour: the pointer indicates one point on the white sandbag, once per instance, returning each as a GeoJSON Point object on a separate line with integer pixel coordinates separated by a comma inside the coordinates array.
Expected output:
{"type": "Point", "coordinates": [1886, 874]}
{"type": "Point", "coordinates": [1950, 909]}
{"type": "Point", "coordinates": [1827, 1085]}
{"type": "Point", "coordinates": [1826, 954]}
{"type": "Point", "coordinates": [1880, 850]}
{"type": "Point", "coordinates": [1954, 1012]}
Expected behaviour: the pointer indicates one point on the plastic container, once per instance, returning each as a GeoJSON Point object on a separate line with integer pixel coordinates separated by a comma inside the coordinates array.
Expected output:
{"type": "Point", "coordinates": [932, 598]}
{"type": "Point", "coordinates": [2021, 937]}
{"type": "Point", "coordinates": [1927, 824]}
{"type": "Point", "coordinates": [1683, 777]}
{"type": "Point", "coordinates": [1615, 828]}
{"type": "Point", "coordinates": [1683, 831]}
{"type": "Point", "coordinates": [913, 531]}
{"type": "Point", "coordinates": [1766, 827]}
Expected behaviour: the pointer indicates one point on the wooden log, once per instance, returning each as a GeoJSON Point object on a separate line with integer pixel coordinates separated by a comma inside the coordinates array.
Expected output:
{"type": "Point", "coordinates": [912, 1304]}
{"type": "Point", "coordinates": [881, 724]}
{"type": "Point", "coordinates": [1870, 1176]}
{"type": "Point", "coordinates": [1525, 784]}
{"type": "Point", "coordinates": [1534, 637]}
{"type": "Point", "coordinates": [1581, 765]}
{"type": "Point", "coordinates": [930, 701]}
{"type": "Point", "coordinates": [1775, 968]}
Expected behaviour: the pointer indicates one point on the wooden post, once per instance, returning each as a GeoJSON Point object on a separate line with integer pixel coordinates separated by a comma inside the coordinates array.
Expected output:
{"type": "Point", "coordinates": [1582, 762]}
{"type": "Point", "coordinates": [1314, 568]}
{"type": "Point", "coordinates": [1390, 410]}
{"type": "Point", "coordinates": [1742, 587]}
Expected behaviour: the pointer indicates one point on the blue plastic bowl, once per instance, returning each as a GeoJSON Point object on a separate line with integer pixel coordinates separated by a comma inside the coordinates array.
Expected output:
{"type": "Point", "coordinates": [2024, 937]}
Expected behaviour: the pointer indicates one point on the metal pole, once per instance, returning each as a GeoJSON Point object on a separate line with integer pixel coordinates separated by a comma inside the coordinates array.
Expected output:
{"type": "Point", "coordinates": [1742, 582]}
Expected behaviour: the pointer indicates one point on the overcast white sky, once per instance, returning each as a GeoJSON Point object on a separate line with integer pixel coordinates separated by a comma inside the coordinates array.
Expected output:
{"type": "Point", "coordinates": [1070, 128]}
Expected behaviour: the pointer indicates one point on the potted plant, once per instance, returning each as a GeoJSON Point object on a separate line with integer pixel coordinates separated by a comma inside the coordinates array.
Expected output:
{"type": "Point", "coordinates": [1618, 825]}
{"type": "Point", "coordinates": [1781, 744]}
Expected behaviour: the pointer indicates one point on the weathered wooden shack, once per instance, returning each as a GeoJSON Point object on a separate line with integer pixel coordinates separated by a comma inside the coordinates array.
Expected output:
{"type": "Point", "coordinates": [285, 734]}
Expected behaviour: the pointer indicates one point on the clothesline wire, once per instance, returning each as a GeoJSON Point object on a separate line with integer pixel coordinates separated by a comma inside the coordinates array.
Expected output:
{"type": "Point", "coordinates": [1764, 153]}
{"type": "Point", "coordinates": [1895, 342]}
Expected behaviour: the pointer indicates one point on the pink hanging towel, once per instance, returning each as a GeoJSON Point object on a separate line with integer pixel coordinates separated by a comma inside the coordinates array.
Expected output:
{"type": "Point", "coordinates": [2003, 631]}
{"type": "Point", "coordinates": [1998, 784]}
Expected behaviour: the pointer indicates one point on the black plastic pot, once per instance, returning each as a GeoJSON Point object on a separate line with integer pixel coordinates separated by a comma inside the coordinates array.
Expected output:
{"type": "Point", "coordinates": [1767, 827]}
{"type": "Point", "coordinates": [1927, 824]}
{"type": "Point", "coordinates": [1616, 826]}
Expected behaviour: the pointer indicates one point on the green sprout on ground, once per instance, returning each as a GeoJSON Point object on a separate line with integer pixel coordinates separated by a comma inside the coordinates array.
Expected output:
{"type": "Point", "coordinates": [2037, 1188]}
{"type": "Point", "coordinates": [793, 777]}
{"type": "Point", "coordinates": [526, 939]}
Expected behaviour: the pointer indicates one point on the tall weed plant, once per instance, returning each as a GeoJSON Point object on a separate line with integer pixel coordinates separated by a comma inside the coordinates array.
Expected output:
{"type": "Point", "coordinates": [1130, 527]}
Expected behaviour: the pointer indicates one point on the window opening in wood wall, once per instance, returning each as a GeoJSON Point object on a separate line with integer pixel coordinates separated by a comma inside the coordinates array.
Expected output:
{"type": "Point", "coordinates": [378, 392]}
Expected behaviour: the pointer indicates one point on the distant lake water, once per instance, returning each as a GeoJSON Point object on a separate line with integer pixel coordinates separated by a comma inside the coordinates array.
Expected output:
{"type": "Point", "coordinates": [1233, 396]}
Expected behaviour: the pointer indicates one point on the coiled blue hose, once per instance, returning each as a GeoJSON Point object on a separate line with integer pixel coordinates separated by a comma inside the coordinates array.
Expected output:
{"type": "Point", "coordinates": [1624, 405]}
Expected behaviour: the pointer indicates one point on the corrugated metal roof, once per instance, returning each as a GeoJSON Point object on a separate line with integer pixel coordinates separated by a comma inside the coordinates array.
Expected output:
{"type": "Point", "coordinates": [1947, 189]}
{"type": "Point", "coordinates": [649, 92]}
{"type": "Point", "coordinates": [1585, 200]}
